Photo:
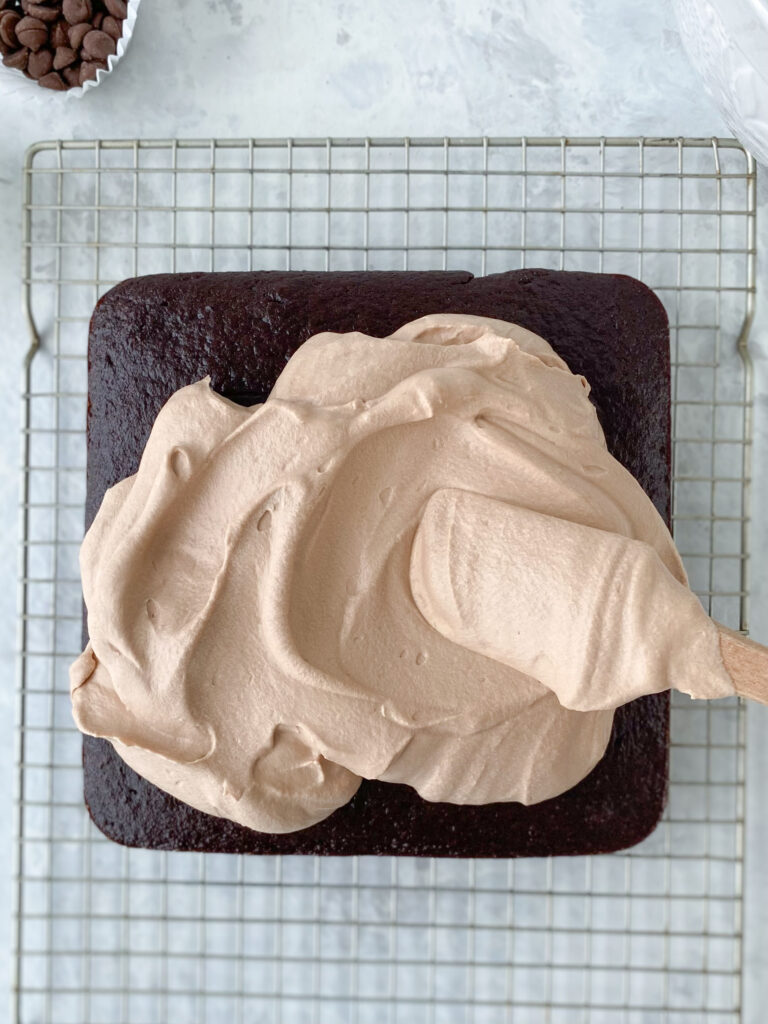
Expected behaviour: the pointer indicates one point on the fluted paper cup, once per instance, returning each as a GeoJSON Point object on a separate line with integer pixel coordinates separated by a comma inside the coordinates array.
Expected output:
{"type": "Point", "coordinates": [15, 84]}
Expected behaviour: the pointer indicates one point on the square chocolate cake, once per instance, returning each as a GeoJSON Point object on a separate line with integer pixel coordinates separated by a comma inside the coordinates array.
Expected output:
{"type": "Point", "coordinates": [151, 336]}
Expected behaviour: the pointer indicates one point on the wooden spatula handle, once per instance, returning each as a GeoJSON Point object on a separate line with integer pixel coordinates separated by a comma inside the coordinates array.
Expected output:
{"type": "Point", "coordinates": [747, 664]}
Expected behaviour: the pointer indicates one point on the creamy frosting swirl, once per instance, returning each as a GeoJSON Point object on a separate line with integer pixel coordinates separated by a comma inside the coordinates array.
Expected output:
{"type": "Point", "coordinates": [291, 597]}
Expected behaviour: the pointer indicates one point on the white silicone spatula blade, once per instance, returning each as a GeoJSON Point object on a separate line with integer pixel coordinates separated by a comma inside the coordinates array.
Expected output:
{"type": "Point", "coordinates": [595, 616]}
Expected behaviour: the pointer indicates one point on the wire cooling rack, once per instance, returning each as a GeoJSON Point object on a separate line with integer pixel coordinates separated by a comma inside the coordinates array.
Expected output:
{"type": "Point", "coordinates": [107, 934]}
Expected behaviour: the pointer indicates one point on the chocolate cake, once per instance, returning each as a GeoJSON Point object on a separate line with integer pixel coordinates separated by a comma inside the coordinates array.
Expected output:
{"type": "Point", "coordinates": [151, 336]}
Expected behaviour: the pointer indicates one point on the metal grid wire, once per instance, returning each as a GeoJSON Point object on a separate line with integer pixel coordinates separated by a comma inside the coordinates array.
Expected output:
{"type": "Point", "coordinates": [107, 934]}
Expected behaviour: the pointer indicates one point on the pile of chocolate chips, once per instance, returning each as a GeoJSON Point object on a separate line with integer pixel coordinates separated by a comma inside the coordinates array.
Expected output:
{"type": "Point", "coordinates": [60, 43]}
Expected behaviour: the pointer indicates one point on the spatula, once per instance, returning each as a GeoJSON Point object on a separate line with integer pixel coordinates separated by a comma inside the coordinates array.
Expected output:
{"type": "Point", "coordinates": [595, 616]}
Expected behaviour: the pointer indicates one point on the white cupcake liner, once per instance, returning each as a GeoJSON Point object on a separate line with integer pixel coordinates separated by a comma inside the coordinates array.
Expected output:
{"type": "Point", "coordinates": [13, 83]}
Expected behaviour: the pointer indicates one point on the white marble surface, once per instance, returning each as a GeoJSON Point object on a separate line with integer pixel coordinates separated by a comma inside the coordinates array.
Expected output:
{"type": "Point", "coordinates": [363, 67]}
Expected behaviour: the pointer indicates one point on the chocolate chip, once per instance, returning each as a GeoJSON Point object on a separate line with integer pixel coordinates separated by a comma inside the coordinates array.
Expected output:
{"type": "Point", "coordinates": [112, 27]}
{"type": "Point", "coordinates": [77, 34]}
{"type": "Point", "coordinates": [53, 81]}
{"type": "Point", "coordinates": [18, 59]}
{"type": "Point", "coordinates": [99, 45]}
{"type": "Point", "coordinates": [9, 21]}
{"type": "Point", "coordinates": [32, 32]}
{"type": "Point", "coordinates": [40, 63]}
{"type": "Point", "coordinates": [117, 8]}
{"type": "Point", "coordinates": [71, 76]}
{"type": "Point", "coordinates": [64, 57]}
{"type": "Point", "coordinates": [76, 11]}
{"type": "Point", "coordinates": [97, 19]}
{"type": "Point", "coordinates": [40, 11]}
{"type": "Point", "coordinates": [88, 71]}
{"type": "Point", "coordinates": [59, 35]}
